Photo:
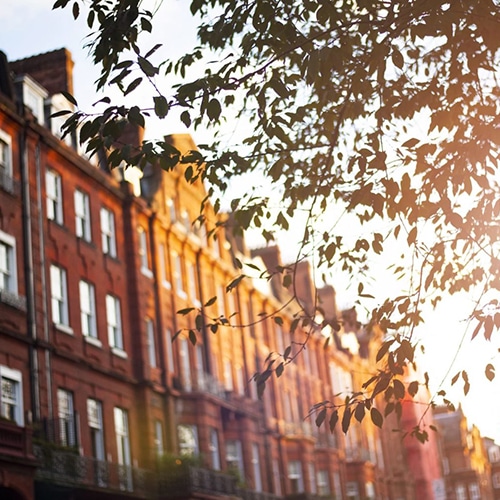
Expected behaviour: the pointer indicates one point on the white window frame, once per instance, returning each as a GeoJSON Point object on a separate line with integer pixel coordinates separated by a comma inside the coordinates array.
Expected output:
{"type": "Point", "coordinates": [162, 256]}
{"type": "Point", "coordinates": [214, 449]}
{"type": "Point", "coordinates": [296, 476]}
{"type": "Point", "coordinates": [185, 362]}
{"type": "Point", "coordinates": [179, 276]}
{"type": "Point", "coordinates": [8, 264]}
{"type": "Point", "coordinates": [114, 324]}
{"type": "Point", "coordinates": [312, 478]}
{"type": "Point", "coordinates": [323, 483]}
{"type": "Point", "coordinates": [123, 447]}
{"type": "Point", "coordinates": [228, 375]}
{"type": "Point", "coordinates": [82, 215]}
{"type": "Point", "coordinates": [188, 440]}
{"type": "Point", "coordinates": [108, 232]}
{"type": "Point", "coordinates": [59, 297]}
{"type": "Point", "coordinates": [234, 456]}
{"type": "Point", "coordinates": [143, 252]}
{"type": "Point", "coordinates": [257, 476]}
{"type": "Point", "coordinates": [193, 284]}
{"type": "Point", "coordinates": [170, 351]}
{"type": "Point", "coordinates": [54, 196]}
{"type": "Point", "coordinates": [150, 333]}
{"type": "Point", "coordinates": [66, 415]}
{"type": "Point", "coordinates": [16, 377]}
{"type": "Point", "coordinates": [158, 428]}
{"type": "Point", "coordinates": [95, 422]}
{"type": "Point", "coordinates": [88, 310]}
{"type": "Point", "coordinates": [277, 478]}
{"type": "Point", "coordinates": [6, 180]}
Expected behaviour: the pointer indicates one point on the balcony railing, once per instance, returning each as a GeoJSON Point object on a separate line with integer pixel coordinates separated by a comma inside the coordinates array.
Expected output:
{"type": "Point", "coordinates": [14, 440]}
{"type": "Point", "coordinates": [256, 495]}
{"type": "Point", "coordinates": [66, 467]}
{"type": "Point", "coordinates": [186, 480]}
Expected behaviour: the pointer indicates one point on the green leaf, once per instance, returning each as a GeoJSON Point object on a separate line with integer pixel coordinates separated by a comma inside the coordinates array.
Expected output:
{"type": "Point", "coordinates": [69, 97]}
{"type": "Point", "coordinates": [334, 418]}
{"type": "Point", "coordinates": [320, 417]}
{"type": "Point", "coordinates": [133, 86]}
{"type": "Point", "coordinates": [192, 337]}
{"type": "Point", "coordinates": [214, 109]}
{"type": "Point", "coordinates": [76, 10]}
{"type": "Point", "coordinates": [346, 419]}
{"type": "Point", "coordinates": [161, 106]}
{"type": "Point", "coordinates": [376, 417]}
{"type": "Point", "coordinates": [278, 320]}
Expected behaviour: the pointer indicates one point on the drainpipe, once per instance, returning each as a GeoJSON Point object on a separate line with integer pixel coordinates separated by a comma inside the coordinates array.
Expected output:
{"type": "Point", "coordinates": [45, 308]}
{"type": "Point", "coordinates": [28, 272]}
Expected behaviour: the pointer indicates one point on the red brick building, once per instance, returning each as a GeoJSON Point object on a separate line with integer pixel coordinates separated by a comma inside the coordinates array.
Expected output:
{"type": "Point", "coordinates": [97, 401]}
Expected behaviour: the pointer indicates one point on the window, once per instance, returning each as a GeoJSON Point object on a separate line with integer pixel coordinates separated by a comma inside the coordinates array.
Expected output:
{"type": "Point", "coordinates": [170, 351]}
{"type": "Point", "coordinates": [150, 332]}
{"type": "Point", "coordinates": [228, 375]}
{"type": "Point", "coordinates": [234, 457]}
{"type": "Point", "coordinates": [370, 491]}
{"type": "Point", "coordinates": [59, 295]}
{"type": "Point", "coordinates": [240, 380]}
{"type": "Point", "coordinates": [337, 485]}
{"type": "Point", "coordinates": [159, 438]}
{"type": "Point", "coordinates": [94, 418]}
{"type": "Point", "coordinates": [496, 480]}
{"type": "Point", "coordinates": [200, 368]}
{"type": "Point", "coordinates": [162, 256]}
{"type": "Point", "coordinates": [123, 448]}
{"type": "Point", "coordinates": [221, 308]}
{"type": "Point", "coordinates": [143, 252]}
{"type": "Point", "coordinates": [322, 483]}
{"type": "Point", "coordinates": [352, 490]}
{"type": "Point", "coordinates": [193, 285]}
{"type": "Point", "coordinates": [6, 162]}
{"type": "Point", "coordinates": [214, 449]}
{"type": "Point", "coordinates": [8, 278]}
{"type": "Point", "coordinates": [82, 215]}
{"type": "Point", "coordinates": [185, 364]}
{"type": "Point", "coordinates": [87, 310]}
{"type": "Point", "coordinates": [312, 478]}
{"type": "Point", "coordinates": [460, 492]}
{"type": "Point", "coordinates": [65, 412]}
{"type": "Point", "coordinates": [494, 454]}
{"type": "Point", "coordinates": [113, 316]}
{"type": "Point", "coordinates": [277, 478]}
{"type": "Point", "coordinates": [178, 278]}
{"type": "Point", "coordinates": [188, 440]}
{"type": "Point", "coordinates": [11, 395]}
{"type": "Point", "coordinates": [108, 232]}
{"type": "Point", "coordinates": [54, 196]}
{"type": "Point", "coordinates": [172, 211]}
{"type": "Point", "coordinates": [257, 478]}
{"type": "Point", "coordinates": [295, 476]}
{"type": "Point", "coordinates": [474, 492]}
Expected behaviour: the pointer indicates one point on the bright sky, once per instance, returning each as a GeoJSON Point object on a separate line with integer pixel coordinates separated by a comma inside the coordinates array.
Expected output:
{"type": "Point", "coordinates": [30, 27]}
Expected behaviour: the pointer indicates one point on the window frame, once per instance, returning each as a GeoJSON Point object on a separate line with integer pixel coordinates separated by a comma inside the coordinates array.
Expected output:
{"type": "Point", "coordinates": [108, 232]}
{"type": "Point", "coordinates": [115, 330]}
{"type": "Point", "coordinates": [66, 416]}
{"type": "Point", "coordinates": [193, 449]}
{"type": "Point", "coordinates": [6, 167]}
{"type": "Point", "coordinates": [150, 336]}
{"type": "Point", "coordinates": [54, 196]}
{"type": "Point", "coordinates": [16, 377]}
{"type": "Point", "coordinates": [83, 228]}
{"type": "Point", "coordinates": [9, 242]}
{"type": "Point", "coordinates": [143, 251]}
{"type": "Point", "coordinates": [90, 319]}
{"type": "Point", "coordinates": [61, 297]}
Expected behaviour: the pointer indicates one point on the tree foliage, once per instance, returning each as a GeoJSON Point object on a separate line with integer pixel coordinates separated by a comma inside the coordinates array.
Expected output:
{"type": "Point", "coordinates": [385, 110]}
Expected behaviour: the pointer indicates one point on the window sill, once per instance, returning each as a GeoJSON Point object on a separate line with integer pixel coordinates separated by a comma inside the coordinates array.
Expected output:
{"type": "Point", "coordinates": [119, 352]}
{"type": "Point", "coordinates": [182, 294]}
{"type": "Point", "coordinates": [147, 272]}
{"type": "Point", "coordinates": [166, 284]}
{"type": "Point", "coordinates": [64, 329]}
{"type": "Point", "coordinates": [93, 341]}
{"type": "Point", "coordinates": [13, 299]}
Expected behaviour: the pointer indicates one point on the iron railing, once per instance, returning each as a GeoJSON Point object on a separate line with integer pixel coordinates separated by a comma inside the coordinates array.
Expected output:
{"type": "Point", "coordinates": [66, 467]}
{"type": "Point", "coordinates": [185, 480]}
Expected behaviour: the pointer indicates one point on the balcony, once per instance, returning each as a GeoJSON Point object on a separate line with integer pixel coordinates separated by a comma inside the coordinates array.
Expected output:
{"type": "Point", "coordinates": [187, 480]}
{"type": "Point", "coordinates": [65, 467]}
{"type": "Point", "coordinates": [15, 441]}
{"type": "Point", "coordinates": [256, 495]}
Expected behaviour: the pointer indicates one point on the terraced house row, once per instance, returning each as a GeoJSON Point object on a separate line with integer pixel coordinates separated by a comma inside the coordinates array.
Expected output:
{"type": "Point", "coordinates": [97, 399]}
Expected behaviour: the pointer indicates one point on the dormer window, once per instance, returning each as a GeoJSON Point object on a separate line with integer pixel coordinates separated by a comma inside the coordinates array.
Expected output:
{"type": "Point", "coordinates": [54, 104]}
{"type": "Point", "coordinates": [32, 95]}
